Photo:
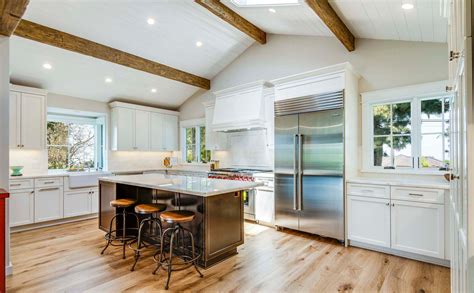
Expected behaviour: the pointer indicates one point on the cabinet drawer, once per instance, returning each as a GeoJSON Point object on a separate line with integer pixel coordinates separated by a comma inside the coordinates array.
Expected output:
{"type": "Point", "coordinates": [48, 182]}
{"type": "Point", "coordinates": [380, 191]}
{"type": "Point", "coordinates": [418, 194]}
{"type": "Point", "coordinates": [21, 183]}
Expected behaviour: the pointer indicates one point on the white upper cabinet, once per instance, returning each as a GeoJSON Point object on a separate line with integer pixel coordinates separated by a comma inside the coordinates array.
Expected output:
{"type": "Point", "coordinates": [157, 132]}
{"type": "Point", "coordinates": [139, 128]}
{"type": "Point", "coordinates": [215, 141]}
{"type": "Point", "coordinates": [27, 118]}
{"type": "Point", "coordinates": [171, 132]}
{"type": "Point", "coordinates": [142, 130]}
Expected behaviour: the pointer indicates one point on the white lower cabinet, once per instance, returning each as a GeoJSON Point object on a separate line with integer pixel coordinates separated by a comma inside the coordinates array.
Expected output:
{"type": "Point", "coordinates": [264, 206]}
{"type": "Point", "coordinates": [418, 227]}
{"type": "Point", "coordinates": [48, 204]}
{"type": "Point", "coordinates": [415, 224]}
{"type": "Point", "coordinates": [369, 220]}
{"type": "Point", "coordinates": [21, 207]}
{"type": "Point", "coordinates": [82, 202]}
{"type": "Point", "coordinates": [77, 203]}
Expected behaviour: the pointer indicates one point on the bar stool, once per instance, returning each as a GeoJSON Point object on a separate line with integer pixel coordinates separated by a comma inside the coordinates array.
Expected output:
{"type": "Point", "coordinates": [148, 210]}
{"type": "Point", "coordinates": [175, 219]}
{"type": "Point", "coordinates": [112, 236]}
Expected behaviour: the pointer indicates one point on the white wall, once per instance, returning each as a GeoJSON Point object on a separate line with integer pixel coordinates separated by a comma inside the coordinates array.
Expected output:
{"type": "Point", "coordinates": [4, 134]}
{"type": "Point", "coordinates": [381, 64]}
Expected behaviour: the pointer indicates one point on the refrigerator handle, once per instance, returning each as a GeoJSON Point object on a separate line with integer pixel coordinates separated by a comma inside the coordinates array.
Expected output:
{"type": "Point", "coordinates": [300, 172]}
{"type": "Point", "coordinates": [295, 174]}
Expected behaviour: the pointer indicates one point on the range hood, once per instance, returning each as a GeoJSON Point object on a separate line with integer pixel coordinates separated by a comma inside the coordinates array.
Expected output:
{"type": "Point", "coordinates": [241, 108]}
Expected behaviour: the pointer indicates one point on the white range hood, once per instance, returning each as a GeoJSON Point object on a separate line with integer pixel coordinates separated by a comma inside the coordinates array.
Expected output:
{"type": "Point", "coordinates": [240, 108]}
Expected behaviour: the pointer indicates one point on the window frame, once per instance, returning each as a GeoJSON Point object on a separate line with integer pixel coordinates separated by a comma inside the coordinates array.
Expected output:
{"type": "Point", "coordinates": [100, 129]}
{"type": "Point", "coordinates": [414, 94]}
{"type": "Point", "coordinates": [197, 124]}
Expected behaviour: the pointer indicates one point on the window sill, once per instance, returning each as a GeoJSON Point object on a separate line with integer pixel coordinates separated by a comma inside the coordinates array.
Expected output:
{"type": "Point", "coordinates": [401, 171]}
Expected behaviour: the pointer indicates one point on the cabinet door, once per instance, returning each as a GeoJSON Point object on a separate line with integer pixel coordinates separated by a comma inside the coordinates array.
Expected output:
{"type": "Point", "coordinates": [33, 121]}
{"type": "Point", "coordinates": [48, 204]}
{"type": "Point", "coordinates": [369, 220]}
{"type": "Point", "coordinates": [265, 205]}
{"type": "Point", "coordinates": [156, 132]}
{"type": "Point", "coordinates": [142, 130]}
{"type": "Point", "coordinates": [21, 210]}
{"type": "Point", "coordinates": [418, 228]}
{"type": "Point", "coordinates": [77, 203]}
{"type": "Point", "coordinates": [171, 132]}
{"type": "Point", "coordinates": [94, 201]}
{"type": "Point", "coordinates": [15, 110]}
{"type": "Point", "coordinates": [123, 129]}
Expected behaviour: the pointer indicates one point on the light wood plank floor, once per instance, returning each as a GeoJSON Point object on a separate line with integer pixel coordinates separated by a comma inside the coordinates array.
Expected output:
{"type": "Point", "coordinates": [67, 258]}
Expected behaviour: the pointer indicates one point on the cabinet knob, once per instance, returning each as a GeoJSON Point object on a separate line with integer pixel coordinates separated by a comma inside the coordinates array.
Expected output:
{"type": "Point", "coordinates": [449, 88]}
{"type": "Point", "coordinates": [393, 204]}
{"type": "Point", "coordinates": [387, 204]}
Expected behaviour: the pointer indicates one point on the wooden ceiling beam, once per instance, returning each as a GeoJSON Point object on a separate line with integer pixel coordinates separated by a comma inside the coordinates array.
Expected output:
{"type": "Point", "coordinates": [234, 19]}
{"type": "Point", "coordinates": [46, 35]}
{"type": "Point", "coordinates": [327, 14]}
{"type": "Point", "coordinates": [11, 12]}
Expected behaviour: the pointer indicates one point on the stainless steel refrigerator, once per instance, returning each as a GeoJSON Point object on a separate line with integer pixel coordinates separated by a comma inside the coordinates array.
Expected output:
{"type": "Point", "coordinates": [309, 164]}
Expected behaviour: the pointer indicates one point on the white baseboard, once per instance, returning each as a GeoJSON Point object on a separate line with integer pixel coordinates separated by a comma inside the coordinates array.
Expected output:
{"type": "Point", "coordinates": [51, 223]}
{"type": "Point", "coordinates": [9, 269]}
{"type": "Point", "coordinates": [423, 258]}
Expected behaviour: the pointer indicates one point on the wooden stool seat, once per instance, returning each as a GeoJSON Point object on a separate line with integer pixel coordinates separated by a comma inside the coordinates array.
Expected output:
{"type": "Point", "coordinates": [122, 203]}
{"type": "Point", "coordinates": [177, 216]}
{"type": "Point", "coordinates": [149, 208]}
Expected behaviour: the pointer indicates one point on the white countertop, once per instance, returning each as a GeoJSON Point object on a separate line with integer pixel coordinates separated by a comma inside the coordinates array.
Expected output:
{"type": "Point", "coordinates": [400, 182]}
{"type": "Point", "coordinates": [53, 173]}
{"type": "Point", "coordinates": [183, 184]}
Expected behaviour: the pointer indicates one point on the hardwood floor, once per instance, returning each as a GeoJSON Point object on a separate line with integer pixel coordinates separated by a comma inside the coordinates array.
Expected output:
{"type": "Point", "coordinates": [67, 258]}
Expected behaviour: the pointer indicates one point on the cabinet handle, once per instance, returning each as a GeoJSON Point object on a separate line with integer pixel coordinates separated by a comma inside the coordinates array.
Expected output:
{"type": "Point", "coordinates": [449, 88]}
{"type": "Point", "coordinates": [415, 194]}
{"type": "Point", "coordinates": [49, 182]}
{"type": "Point", "coordinates": [367, 190]}
{"type": "Point", "coordinates": [48, 189]}
{"type": "Point", "coordinates": [387, 204]}
{"type": "Point", "coordinates": [393, 204]}
{"type": "Point", "coordinates": [16, 184]}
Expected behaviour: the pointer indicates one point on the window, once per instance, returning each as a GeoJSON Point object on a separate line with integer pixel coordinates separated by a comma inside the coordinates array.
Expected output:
{"type": "Point", "coordinates": [406, 133]}
{"type": "Point", "coordinates": [195, 145]}
{"type": "Point", "coordinates": [75, 143]}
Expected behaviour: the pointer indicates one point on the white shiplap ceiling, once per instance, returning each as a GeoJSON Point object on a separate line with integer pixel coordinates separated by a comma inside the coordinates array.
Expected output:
{"type": "Point", "coordinates": [371, 19]}
{"type": "Point", "coordinates": [179, 24]}
{"type": "Point", "coordinates": [123, 25]}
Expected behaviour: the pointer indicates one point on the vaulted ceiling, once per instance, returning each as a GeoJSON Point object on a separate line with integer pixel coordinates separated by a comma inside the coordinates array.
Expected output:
{"type": "Point", "coordinates": [174, 38]}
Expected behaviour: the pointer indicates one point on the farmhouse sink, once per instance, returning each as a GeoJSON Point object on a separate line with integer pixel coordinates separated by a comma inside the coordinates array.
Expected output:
{"type": "Point", "coordinates": [85, 179]}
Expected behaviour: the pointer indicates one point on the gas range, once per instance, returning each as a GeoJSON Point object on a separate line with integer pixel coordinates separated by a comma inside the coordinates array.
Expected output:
{"type": "Point", "coordinates": [241, 174]}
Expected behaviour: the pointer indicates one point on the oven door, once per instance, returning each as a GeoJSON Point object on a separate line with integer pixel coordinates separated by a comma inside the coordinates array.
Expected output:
{"type": "Point", "coordinates": [249, 204]}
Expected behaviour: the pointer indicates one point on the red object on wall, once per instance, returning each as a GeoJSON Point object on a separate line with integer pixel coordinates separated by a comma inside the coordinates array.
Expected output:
{"type": "Point", "coordinates": [3, 196]}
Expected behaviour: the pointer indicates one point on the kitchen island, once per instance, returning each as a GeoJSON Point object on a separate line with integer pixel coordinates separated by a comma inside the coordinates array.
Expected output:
{"type": "Point", "coordinates": [218, 227]}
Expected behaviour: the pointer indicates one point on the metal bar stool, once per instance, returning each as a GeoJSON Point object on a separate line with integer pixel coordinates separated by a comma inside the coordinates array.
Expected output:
{"type": "Point", "coordinates": [175, 219]}
{"type": "Point", "coordinates": [149, 210]}
{"type": "Point", "coordinates": [112, 236]}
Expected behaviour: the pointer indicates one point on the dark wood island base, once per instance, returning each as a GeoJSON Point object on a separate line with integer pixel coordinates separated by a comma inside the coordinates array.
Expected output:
{"type": "Point", "coordinates": [218, 227]}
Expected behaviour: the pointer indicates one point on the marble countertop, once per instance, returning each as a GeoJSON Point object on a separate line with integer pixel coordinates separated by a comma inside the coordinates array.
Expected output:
{"type": "Point", "coordinates": [53, 173]}
{"type": "Point", "coordinates": [183, 184]}
{"type": "Point", "coordinates": [401, 182]}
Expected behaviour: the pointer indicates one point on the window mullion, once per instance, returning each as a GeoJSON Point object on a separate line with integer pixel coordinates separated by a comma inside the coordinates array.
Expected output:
{"type": "Point", "coordinates": [198, 143]}
{"type": "Point", "coordinates": [416, 132]}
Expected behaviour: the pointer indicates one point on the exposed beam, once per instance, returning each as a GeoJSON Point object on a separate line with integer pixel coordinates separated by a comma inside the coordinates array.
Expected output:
{"type": "Point", "coordinates": [231, 17]}
{"type": "Point", "coordinates": [11, 12]}
{"type": "Point", "coordinates": [36, 32]}
{"type": "Point", "coordinates": [327, 14]}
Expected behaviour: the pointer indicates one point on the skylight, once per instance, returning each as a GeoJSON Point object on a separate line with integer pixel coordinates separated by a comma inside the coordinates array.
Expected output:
{"type": "Point", "coordinates": [250, 3]}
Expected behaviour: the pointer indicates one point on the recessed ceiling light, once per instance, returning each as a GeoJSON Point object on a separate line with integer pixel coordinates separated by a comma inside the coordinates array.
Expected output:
{"type": "Point", "coordinates": [272, 10]}
{"type": "Point", "coordinates": [47, 66]}
{"type": "Point", "coordinates": [108, 80]}
{"type": "Point", "coordinates": [150, 21]}
{"type": "Point", "coordinates": [407, 6]}
{"type": "Point", "coordinates": [153, 90]}
{"type": "Point", "coordinates": [198, 44]}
